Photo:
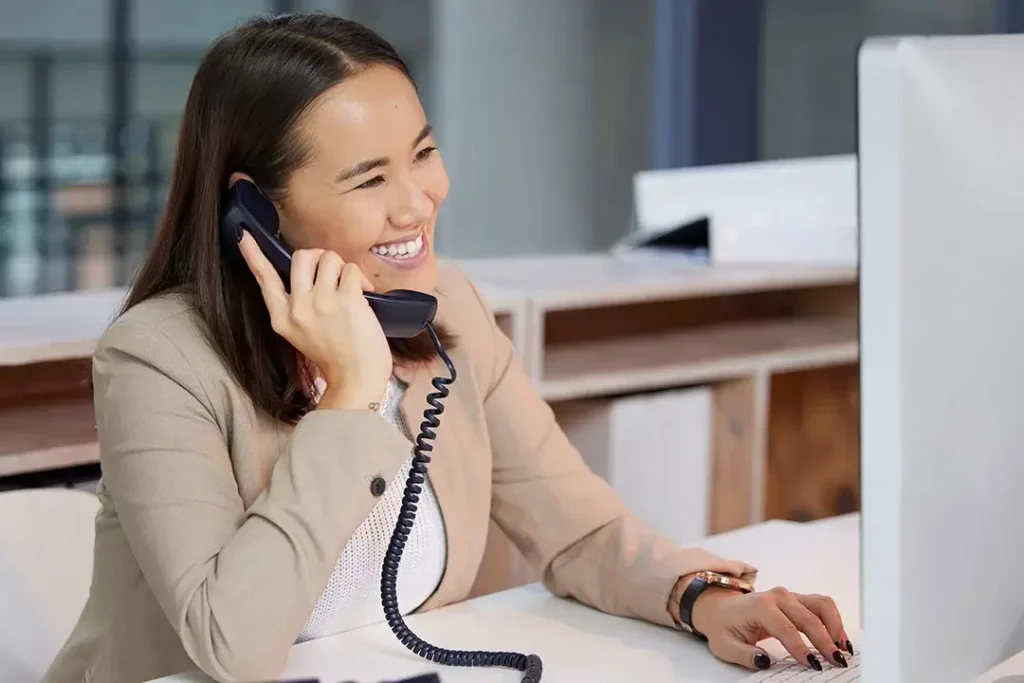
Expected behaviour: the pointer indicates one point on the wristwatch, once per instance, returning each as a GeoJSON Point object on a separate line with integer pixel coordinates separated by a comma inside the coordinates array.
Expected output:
{"type": "Point", "coordinates": [700, 583]}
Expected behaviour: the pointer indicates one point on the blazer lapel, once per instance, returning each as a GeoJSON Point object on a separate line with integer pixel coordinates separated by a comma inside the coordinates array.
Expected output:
{"type": "Point", "coordinates": [444, 473]}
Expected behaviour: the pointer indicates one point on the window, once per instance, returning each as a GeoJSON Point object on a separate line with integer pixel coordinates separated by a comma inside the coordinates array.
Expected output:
{"type": "Point", "coordinates": [93, 95]}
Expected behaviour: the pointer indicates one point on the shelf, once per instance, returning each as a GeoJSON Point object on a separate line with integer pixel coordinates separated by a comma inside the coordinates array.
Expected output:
{"type": "Point", "coordinates": [53, 327]}
{"type": "Point", "coordinates": [44, 436]}
{"type": "Point", "coordinates": [658, 360]}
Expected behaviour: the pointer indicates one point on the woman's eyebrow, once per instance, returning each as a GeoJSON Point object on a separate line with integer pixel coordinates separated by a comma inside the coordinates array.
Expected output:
{"type": "Point", "coordinates": [424, 134]}
{"type": "Point", "coordinates": [361, 168]}
{"type": "Point", "coordinates": [371, 164]}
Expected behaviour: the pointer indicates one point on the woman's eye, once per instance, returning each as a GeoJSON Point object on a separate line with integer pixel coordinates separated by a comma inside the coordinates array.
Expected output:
{"type": "Point", "coordinates": [372, 182]}
{"type": "Point", "coordinates": [425, 153]}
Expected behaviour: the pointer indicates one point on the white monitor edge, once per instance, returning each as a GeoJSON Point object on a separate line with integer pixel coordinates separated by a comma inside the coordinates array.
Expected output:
{"type": "Point", "coordinates": [878, 133]}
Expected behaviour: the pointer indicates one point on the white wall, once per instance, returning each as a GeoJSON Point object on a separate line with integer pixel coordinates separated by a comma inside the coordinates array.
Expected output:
{"type": "Point", "coordinates": [542, 108]}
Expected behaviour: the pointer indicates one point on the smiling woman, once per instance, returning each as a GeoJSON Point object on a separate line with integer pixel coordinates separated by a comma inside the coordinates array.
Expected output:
{"type": "Point", "coordinates": [390, 186]}
{"type": "Point", "coordinates": [254, 437]}
{"type": "Point", "coordinates": [356, 172]}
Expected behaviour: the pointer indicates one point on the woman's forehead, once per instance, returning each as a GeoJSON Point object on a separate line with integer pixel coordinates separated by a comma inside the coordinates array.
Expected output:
{"type": "Point", "coordinates": [371, 113]}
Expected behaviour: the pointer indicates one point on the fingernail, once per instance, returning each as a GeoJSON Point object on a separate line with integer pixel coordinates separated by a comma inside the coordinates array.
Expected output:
{"type": "Point", "coordinates": [240, 233]}
{"type": "Point", "coordinates": [839, 659]}
{"type": "Point", "coordinates": [848, 647]}
{"type": "Point", "coordinates": [813, 662]}
{"type": "Point", "coordinates": [762, 661]}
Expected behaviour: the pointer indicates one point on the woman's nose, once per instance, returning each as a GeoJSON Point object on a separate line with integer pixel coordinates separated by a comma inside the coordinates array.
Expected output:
{"type": "Point", "coordinates": [411, 205]}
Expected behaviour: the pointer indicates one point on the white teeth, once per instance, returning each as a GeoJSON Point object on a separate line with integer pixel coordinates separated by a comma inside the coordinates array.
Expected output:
{"type": "Point", "coordinates": [399, 250]}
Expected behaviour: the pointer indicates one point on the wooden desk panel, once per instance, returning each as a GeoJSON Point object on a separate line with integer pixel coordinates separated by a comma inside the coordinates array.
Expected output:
{"type": "Point", "coordinates": [813, 462]}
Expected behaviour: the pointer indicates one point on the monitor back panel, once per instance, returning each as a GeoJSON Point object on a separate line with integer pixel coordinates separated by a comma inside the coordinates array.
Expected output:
{"type": "Point", "coordinates": [941, 184]}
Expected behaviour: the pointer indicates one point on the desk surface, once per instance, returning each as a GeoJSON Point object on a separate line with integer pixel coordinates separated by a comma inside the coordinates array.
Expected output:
{"type": "Point", "coordinates": [586, 280]}
{"type": "Point", "coordinates": [581, 644]}
{"type": "Point", "coordinates": [67, 325]}
{"type": "Point", "coordinates": [55, 326]}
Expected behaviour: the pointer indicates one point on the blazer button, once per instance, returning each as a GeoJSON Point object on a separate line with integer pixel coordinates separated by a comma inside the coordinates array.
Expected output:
{"type": "Point", "coordinates": [378, 486]}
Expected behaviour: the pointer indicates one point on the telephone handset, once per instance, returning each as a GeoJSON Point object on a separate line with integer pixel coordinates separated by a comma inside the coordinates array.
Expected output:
{"type": "Point", "coordinates": [402, 314]}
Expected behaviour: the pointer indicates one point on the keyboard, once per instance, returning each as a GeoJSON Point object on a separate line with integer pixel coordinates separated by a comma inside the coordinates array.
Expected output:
{"type": "Point", "coordinates": [789, 671]}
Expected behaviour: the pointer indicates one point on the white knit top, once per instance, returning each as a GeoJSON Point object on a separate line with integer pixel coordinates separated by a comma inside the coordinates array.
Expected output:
{"type": "Point", "coordinates": [352, 596]}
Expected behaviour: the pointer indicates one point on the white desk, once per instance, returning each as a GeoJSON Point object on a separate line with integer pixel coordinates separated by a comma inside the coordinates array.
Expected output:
{"type": "Point", "coordinates": [580, 644]}
{"type": "Point", "coordinates": [51, 327]}
{"type": "Point", "coordinates": [63, 325]}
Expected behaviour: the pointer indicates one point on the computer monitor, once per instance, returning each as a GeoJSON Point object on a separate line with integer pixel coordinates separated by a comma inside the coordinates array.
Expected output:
{"type": "Point", "coordinates": [941, 184]}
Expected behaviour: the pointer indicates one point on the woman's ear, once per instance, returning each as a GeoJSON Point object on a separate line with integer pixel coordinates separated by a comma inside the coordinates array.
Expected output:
{"type": "Point", "coordinates": [238, 175]}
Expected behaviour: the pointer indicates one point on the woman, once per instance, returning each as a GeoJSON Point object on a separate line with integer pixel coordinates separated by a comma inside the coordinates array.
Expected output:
{"type": "Point", "coordinates": [255, 439]}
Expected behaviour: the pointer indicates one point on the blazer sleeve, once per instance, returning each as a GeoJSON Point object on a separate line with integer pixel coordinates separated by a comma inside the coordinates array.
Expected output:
{"type": "Point", "coordinates": [565, 519]}
{"type": "Point", "coordinates": [236, 584]}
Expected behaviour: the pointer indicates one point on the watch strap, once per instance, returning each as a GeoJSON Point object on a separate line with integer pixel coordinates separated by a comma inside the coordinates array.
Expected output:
{"type": "Point", "coordinates": [700, 583]}
{"type": "Point", "coordinates": [693, 591]}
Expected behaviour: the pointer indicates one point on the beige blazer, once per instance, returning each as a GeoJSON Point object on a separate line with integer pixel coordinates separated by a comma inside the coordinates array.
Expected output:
{"type": "Point", "coordinates": [220, 527]}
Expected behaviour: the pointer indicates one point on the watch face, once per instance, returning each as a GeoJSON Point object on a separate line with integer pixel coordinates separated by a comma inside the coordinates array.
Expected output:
{"type": "Point", "coordinates": [726, 581]}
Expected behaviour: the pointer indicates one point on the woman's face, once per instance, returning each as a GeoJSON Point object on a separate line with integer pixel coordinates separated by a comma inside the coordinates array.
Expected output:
{"type": "Point", "coordinates": [373, 182]}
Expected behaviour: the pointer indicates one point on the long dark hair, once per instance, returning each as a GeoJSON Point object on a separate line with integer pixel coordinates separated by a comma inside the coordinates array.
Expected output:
{"type": "Point", "coordinates": [251, 87]}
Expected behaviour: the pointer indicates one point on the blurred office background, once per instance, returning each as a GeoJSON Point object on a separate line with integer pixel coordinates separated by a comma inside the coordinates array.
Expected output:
{"type": "Point", "coordinates": [544, 108]}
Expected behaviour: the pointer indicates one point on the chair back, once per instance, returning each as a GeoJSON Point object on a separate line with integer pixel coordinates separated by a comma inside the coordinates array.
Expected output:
{"type": "Point", "coordinates": [46, 557]}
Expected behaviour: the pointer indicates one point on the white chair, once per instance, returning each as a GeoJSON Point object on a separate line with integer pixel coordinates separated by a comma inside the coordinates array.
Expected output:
{"type": "Point", "coordinates": [46, 553]}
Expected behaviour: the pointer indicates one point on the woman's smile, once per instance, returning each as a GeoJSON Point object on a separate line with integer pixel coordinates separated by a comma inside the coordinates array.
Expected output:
{"type": "Point", "coordinates": [406, 252]}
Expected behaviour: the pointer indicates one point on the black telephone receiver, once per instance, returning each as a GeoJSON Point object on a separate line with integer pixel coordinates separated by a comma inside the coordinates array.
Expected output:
{"type": "Point", "coordinates": [403, 313]}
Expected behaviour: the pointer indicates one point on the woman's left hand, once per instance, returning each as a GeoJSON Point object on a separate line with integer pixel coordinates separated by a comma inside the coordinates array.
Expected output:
{"type": "Point", "coordinates": [735, 622]}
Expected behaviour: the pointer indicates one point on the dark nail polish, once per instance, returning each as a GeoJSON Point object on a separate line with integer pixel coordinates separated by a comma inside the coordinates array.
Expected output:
{"type": "Point", "coordinates": [813, 662]}
{"type": "Point", "coordinates": [849, 647]}
{"type": "Point", "coordinates": [762, 661]}
{"type": "Point", "coordinates": [839, 659]}
{"type": "Point", "coordinates": [239, 233]}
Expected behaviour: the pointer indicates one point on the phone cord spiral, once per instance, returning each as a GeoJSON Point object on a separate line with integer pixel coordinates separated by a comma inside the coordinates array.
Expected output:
{"type": "Point", "coordinates": [529, 664]}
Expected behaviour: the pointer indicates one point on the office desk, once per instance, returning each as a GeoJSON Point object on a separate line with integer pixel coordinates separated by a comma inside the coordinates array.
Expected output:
{"type": "Point", "coordinates": [581, 644]}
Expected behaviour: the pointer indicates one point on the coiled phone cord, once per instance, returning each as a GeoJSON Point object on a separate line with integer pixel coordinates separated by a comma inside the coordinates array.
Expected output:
{"type": "Point", "coordinates": [529, 664]}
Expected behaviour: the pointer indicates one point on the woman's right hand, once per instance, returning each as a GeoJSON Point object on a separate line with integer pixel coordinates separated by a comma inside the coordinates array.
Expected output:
{"type": "Point", "coordinates": [327, 319]}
